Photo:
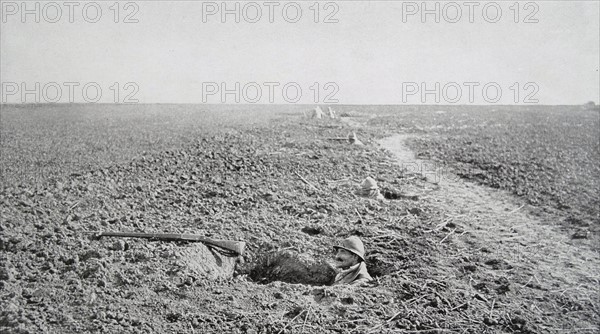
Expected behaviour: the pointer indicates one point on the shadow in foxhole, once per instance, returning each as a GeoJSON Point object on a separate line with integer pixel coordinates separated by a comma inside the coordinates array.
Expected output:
{"type": "Point", "coordinates": [290, 267]}
{"type": "Point", "coordinates": [378, 266]}
{"type": "Point", "coordinates": [393, 194]}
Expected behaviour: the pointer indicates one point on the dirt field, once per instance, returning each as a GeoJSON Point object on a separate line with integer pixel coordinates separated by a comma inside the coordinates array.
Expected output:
{"type": "Point", "coordinates": [451, 253]}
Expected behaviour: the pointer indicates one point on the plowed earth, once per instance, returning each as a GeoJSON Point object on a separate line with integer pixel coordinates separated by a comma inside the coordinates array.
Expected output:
{"type": "Point", "coordinates": [448, 255]}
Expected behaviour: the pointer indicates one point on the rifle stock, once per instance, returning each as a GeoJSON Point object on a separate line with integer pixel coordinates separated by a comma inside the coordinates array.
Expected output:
{"type": "Point", "coordinates": [236, 247]}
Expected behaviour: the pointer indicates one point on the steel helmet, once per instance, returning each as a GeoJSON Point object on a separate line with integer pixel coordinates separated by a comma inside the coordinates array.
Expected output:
{"type": "Point", "coordinates": [369, 184]}
{"type": "Point", "coordinates": [354, 246]}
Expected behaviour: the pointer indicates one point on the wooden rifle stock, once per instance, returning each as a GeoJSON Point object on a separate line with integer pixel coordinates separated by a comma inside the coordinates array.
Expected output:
{"type": "Point", "coordinates": [236, 247]}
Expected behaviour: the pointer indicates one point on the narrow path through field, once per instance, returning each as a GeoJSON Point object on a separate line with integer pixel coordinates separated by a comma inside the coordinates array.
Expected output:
{"type": "Point", "coordinates": [553, 275]}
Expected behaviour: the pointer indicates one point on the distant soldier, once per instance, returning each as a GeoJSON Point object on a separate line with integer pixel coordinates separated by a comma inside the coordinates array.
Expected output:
{"type": "Point", "coordinates": [331, 112]}
{"type": "Point", "coordinates": [369, 189]}
{"type": "Point", "coordinates": [353, 139]}
{"type": "Point", "coordinates": [317, 113]}
{"type": "Point", "coordinates": [350, 258]}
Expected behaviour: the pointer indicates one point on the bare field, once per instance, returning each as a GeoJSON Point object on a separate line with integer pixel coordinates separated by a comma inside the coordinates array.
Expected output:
{"type": "Point", "coordinates": [546, 155]}
{"type": "Point", "coordinates": [453, 257]}
{"type": "Point", "coordinates": [44, 142]}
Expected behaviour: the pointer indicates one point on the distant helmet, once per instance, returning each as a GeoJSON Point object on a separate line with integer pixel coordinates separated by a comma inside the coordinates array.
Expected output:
{"type": "Point", "coordinates": [352, 137]}
{"type": "Point", "coordinates": [369, 184]}
{"type": "Point", "coordinates": [318, 112]}
{"type": "Point", "coordinates": [354, 246]}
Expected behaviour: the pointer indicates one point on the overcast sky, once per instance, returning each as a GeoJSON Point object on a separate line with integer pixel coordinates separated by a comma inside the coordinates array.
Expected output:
{"type": "Point", "coordinates": [378, 52]}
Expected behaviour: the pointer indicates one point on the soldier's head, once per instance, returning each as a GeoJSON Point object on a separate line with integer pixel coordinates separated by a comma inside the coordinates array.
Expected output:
{"type": "Point", "coordinates": [350, 252]}
{"type": "Point", "coordinates": [369, 184]}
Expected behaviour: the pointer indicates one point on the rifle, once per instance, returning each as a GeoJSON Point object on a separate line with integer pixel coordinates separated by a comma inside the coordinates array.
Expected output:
{"type": "Point", "coordinates": [232, 248]}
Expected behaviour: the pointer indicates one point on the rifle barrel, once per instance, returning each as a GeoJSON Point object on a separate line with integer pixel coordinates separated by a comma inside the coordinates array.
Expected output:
{"type": "Point", "coordinates": [232, 246]}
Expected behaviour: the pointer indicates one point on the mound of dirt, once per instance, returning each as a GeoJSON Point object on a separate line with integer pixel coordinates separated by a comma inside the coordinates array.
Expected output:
{"type": "Point", "coordinates": [202, 261]}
